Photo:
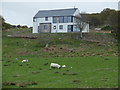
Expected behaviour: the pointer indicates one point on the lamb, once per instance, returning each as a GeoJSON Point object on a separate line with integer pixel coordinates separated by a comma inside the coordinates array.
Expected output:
{"type": "Point", "coordinates": [55, 65]}
{"type": "Point", "coordinates": [24, 60]}
{"type": "Point", "coordinates": [63, 66]}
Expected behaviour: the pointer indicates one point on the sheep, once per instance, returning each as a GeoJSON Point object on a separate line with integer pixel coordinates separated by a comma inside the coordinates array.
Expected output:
{"type": "Point", "coordinates": [63, 66]}
{"type": "Point", "coordinates": [24, 60]}
{"type": "Point", "coordinates": [55, 65]}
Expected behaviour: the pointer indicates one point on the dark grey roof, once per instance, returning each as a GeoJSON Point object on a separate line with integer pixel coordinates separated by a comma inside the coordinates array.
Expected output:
{"type": "Point", "coordinates": [59, 12]}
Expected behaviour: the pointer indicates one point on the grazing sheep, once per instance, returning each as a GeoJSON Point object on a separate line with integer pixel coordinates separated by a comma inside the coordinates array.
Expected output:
{"type": "Point", "coordinates": [55, 65]}
{"type": "Point", "coordinates": [24, 60]}
{"type": "Point", "coordinates": [63, 66]}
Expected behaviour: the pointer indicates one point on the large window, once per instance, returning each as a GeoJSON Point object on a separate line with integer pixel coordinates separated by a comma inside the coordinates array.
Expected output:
{"type": "Point", "coordinates": [61, 27]}
{"type": "Point", "coordinates": [70, 19]}
{"type": "Point", "coordinates": [54, 19]}
{"type": "Point", "coordinates": [61, 19]}
{"type": "Point", "coordinates": [45, 27]}
{"type": "Point", "coordinates": [46, 18]}
{"type": "Point", "coordinates": [65, 19]}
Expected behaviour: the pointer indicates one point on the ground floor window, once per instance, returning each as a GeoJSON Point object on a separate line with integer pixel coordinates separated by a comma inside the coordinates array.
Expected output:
{"type": "Point", "coordinates": [70, 28]}
{"type": "Point", "coordinates": [61, 27]}
{"type": "Point", "coordinates": [45, 27]}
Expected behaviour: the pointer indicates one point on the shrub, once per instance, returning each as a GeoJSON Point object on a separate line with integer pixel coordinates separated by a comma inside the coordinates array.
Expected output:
{"type": "Point", "coordinates": [106, 28]}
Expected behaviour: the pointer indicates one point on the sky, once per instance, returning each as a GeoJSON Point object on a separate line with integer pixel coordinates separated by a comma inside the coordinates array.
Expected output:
{"type": "Point", "coordinates": [22, 12]}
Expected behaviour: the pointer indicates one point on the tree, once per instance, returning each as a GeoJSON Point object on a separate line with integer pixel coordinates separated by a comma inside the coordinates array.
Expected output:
{"type": "Point", "coordinates": [18, 26]}
{"type": "Point", "coordinates": [80, 23]}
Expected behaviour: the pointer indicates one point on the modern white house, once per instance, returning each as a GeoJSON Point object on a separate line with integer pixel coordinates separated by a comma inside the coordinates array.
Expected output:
{"type": "Point", "coordinates": [57, 21]}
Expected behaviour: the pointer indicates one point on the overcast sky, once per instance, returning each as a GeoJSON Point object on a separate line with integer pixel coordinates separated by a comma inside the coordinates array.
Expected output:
{"type": "Point", "coordinates": [22, 12]}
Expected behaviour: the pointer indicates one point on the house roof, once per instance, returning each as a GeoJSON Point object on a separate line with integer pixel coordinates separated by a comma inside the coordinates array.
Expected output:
{"type": "Point", "coordinates": [59, 12]}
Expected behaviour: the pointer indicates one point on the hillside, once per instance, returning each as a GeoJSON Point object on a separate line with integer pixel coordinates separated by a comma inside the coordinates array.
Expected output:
{"type": "Point", "coordinates": [94, 60]}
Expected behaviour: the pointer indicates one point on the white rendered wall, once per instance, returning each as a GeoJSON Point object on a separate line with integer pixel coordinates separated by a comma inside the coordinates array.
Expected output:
{"type": "Point", "coordinates": [35, 27]}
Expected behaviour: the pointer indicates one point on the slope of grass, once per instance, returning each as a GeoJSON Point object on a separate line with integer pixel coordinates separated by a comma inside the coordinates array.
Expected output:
{"type": "Point", "coordinates": [91, 67]}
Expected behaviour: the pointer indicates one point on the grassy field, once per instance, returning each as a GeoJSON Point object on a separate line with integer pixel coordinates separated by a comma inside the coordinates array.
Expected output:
{"type": "Point", "coordinates": [94, 64]}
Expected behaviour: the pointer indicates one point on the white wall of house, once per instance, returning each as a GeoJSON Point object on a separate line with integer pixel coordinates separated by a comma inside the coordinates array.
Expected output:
{"type": "Point", "coordinates": [35, 27]}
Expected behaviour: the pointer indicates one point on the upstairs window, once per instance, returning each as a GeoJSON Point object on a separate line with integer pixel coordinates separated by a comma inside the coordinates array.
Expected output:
{"type": "Point", "coordinates": [61, 19]}
{"type": "Point", "coordinates": [65, 19]}
{"type": "Point", "coordinates": [46, 18]}
{"type": "Point", "coordinates": [70, 19]}
{"type": "Point", "coordinates": [61, 27]}
{"type": "Point", "coordinates": [54, 19]}
{"type": "Point", "coordinates": [34, 19]}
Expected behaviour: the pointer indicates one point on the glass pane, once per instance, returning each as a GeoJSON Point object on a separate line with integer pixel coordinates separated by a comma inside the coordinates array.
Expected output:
{"type": "Point", "coordinates": [61, 20]}
{"type": "Point", "coordinates": [61, 27]}
{"type": "Point", "coordinates": [46, 18]}
{"type": "Point", "coordinates": [65, 19]}
{"type": "Point", "coordinates": [69, 28]}
{"type": "Point", "coordinates": [70, 19]}
{"type": "Point", "coordinates": [45, 27]}
{"type": "Point", "coordinates": [54, 19]}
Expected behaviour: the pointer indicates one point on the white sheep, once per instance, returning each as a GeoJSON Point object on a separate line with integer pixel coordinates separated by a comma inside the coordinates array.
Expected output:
{"type": "Point", "coordinates": [63, 66]}
{"type": "Point", "coordinates": [55, 65]}
{"type": "Point", "coordinates": [24, 60]}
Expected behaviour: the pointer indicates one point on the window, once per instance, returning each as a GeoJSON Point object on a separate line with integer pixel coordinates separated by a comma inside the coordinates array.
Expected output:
{"type": "Point", "coordinates": [65, 19]}
{"type": "Point", "coordinates": [34, 19]}
{"type": "Point", "coordinates": [46, 18]}
{"type": "Point", "coordinates": [70, 28]}
{"type": "Point", "coordinates": [61, 27]}
{"type": "Point", "coordinates": [54, 19]}
{"type": "Point", "coordinates": [45, 27]}
{"type": "Point", "coordinates": [54, 27]}
{"type": "Point", "coordinates": [70, 19]}
{"type": "Point", "coordinates": [61, 19]}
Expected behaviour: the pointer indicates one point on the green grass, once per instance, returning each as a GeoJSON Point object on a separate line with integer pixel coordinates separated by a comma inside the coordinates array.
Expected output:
{"type": "Point", "coordinates": [92, 71]}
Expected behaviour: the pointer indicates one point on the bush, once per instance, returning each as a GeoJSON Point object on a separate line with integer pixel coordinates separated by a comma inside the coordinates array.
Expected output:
{"type": "Point", "coordinates": [106, 28]}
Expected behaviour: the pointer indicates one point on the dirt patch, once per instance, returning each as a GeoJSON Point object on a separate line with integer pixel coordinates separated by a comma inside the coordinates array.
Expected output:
{"type": "Point", "coordinates": [76, 81]}
{"type": "Point", "coordinates": [20, 84]}
{"type": "Point", "coordinates": [23, 52]}
{"type": "Point", "coordinates": [35, 72]}
{"type": "Point", "coordinates": [70, 73]}
{"type": "Point", "coordinates": [52, 48]}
